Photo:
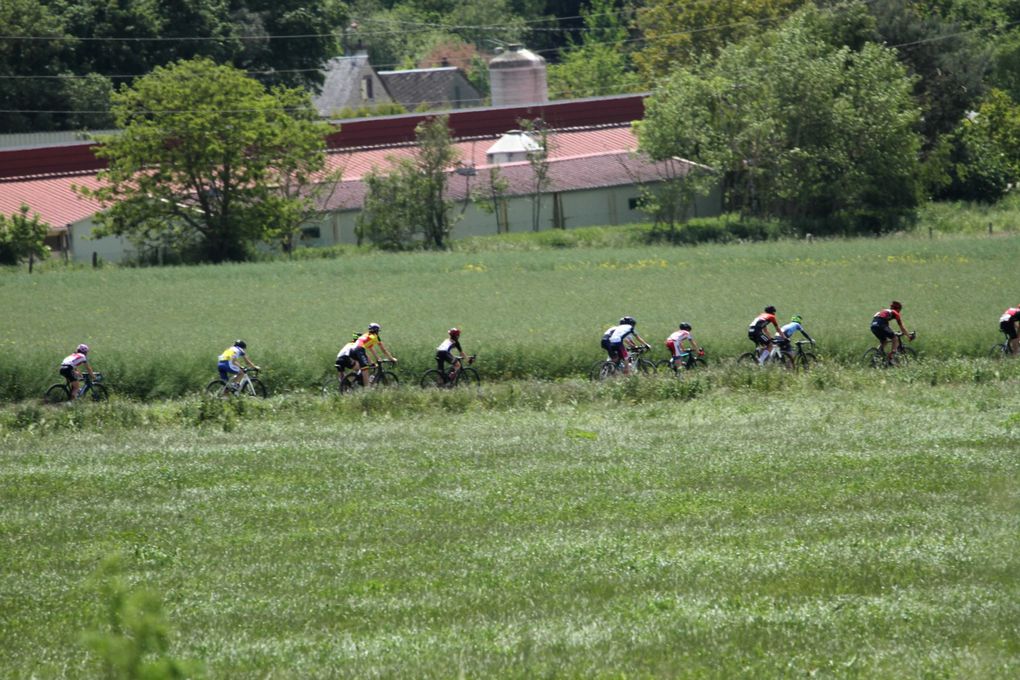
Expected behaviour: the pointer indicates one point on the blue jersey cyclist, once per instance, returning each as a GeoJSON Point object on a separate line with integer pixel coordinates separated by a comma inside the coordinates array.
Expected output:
{"type": "Point", "coordinates": [229, 366]}
{"type": "Point", "coordinates": [790, 329]}
{"type": "Point", "coordinates": [617, 338]}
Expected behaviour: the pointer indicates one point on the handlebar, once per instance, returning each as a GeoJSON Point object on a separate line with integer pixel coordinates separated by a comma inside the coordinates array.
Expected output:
{"type": "Point", "coordinates": [253, 369]}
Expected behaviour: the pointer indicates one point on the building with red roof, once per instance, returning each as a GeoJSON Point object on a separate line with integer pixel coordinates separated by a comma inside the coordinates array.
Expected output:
{"type": "Point", "coordinates": [596, 176]}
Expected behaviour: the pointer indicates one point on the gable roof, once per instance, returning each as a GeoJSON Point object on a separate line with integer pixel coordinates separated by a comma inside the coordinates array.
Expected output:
{"type": "Point", "coordinates": [341, 85]}
{"type": "Point", "coordinates": [445, 86]}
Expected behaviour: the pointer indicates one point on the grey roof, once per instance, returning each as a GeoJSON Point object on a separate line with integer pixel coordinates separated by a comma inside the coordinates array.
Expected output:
{"type": "Point", "coordinates": [445, 86]}
{"type": "Point", "coordinates": [341, 86]}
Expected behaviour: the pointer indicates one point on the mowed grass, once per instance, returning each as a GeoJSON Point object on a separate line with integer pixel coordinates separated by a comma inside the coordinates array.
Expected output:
{"type": "Point", "coordinates": [157, 332]}
{"type": "Point", "coordinates": [866, 526]}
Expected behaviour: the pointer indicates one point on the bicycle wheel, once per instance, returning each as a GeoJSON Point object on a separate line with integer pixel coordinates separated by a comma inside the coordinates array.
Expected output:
{"type": "Point", "coordinates": [805, 360]}
{"type": "Point", "coordinates": [385, 379]}
{"type": "Point", "coordinates": [783, 360]}
{"type": "Point", "coordinates": [645, 367]}
{"type": "Point", "coordinates": [601, 370]}
{"type": "Point", "coordinates": [57, 394]}
{"type": "Point", "coordinates": [351, 383]}
{"type": "Point", "coordinates": [217, 389]}
{"type": "Point", "coordinates": [905, 356]}
{"type": "Point", "coordinates": [257, 388]}
{"type": "Point", "coordinates": [999, 351]}
{"type": "Point", "coordinates": [468, 377]}
{"type": "Point", "coordinates": [432, 380]}
{"type": "Point", "coordinates": [696, 361]}
{"type": "Point", "coordinates": [97, 392]}
{"type": "Point", "coordinates": [874, 358]}
{"type": "Point", "coordinates": [330, 386]}
{"type": "Point", "coordinates": [748, 359]}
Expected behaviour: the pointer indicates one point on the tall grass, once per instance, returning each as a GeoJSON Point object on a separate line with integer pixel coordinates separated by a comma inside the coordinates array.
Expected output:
{"type": "Point", "coordinates": [532, 314]}
{"type": "Point", "coordinates": [842, 524]}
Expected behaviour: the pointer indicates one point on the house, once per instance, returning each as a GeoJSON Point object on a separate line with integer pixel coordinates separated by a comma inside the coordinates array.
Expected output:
{"type": "Point", "coordinates": [595, 175]}
{"type": "Point", "coordinates": [349, 82]}
{"type": "Point", "coordinates": [445, 87]}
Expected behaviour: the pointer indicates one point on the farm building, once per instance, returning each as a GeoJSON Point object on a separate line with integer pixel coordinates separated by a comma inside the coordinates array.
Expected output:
{"type": "Point", "coordinates": [595, 175]}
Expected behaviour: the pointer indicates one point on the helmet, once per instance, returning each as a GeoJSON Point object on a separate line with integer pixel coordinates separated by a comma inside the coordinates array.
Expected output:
{"type": "Point", "coordinates": [240, 343]}
{"type": "Point", "coordinates": [82, 349]}
{"type": "Point", "coordinates": [355, 335]}
{"type": "Point", "coordinates": [896, 304]}
{"type": "Point", "coordinates": [374, 327]}
{"type": "Point", "coordinates": [771, 309]}
{"type": "Point", "coordinates": [628, 320]}
{"type": "Point", "coordinates": [684, 326]}
{"type": "Point", "coordinates": [796, 318]}
{"type": "Point", "coordinates": [454, 332]}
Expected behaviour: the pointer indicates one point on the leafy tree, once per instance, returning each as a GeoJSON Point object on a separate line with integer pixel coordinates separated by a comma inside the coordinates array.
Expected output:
{"type": "Point", "coordinates": [410, 200]}
{"type": "Point", "coordinates": [999, 117]}
{"type": "Point", "coordinates": [680, 32]}
{"type": "Point", "coordinates": [22, 237]}
{"type": "Point", "coordinates": [802, 129]}
{"type": "Point", "coordinates": [600, 64]}
{"type": "Point", "coordinates": [538, 159]}
{"type": "Point", "coordinates": [209, 161]}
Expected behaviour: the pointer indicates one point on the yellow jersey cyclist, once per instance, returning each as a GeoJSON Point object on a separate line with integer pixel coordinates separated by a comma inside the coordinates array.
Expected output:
{"type": "Point", "coordinates": [367, 342]}
{"type": "Point", "coordinates": [69, 368]}
{"type": "Point", "coordinates": [228, 366]}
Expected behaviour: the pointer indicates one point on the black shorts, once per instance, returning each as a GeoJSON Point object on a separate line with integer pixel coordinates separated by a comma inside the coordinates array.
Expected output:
{"type": "Point", "coordinates": [444, 357]}
{"type": "Point", "coordinates": [69, 372]}
{"type": "Point", "coordinates": [344, 362]}
{"type": "Point", "coordinates": [360, 356]}
{"type": "Point", "coordinates": [1009, 328]}
{"type": "Point", "coordinates": [758, 336]}
{"type": "Point", "coordinates": [882, 331]}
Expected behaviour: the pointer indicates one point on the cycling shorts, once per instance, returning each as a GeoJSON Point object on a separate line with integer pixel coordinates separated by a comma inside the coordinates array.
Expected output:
{"type": "Point", "coordinates": [361, 356]}
{"type": "Point", "coordinates": [617, 351]}
{"type": "Point", "coordinates": [227, 369]}
{"type": "Point", "coordinates": [443, 358]}
{"type": "Point", "coordinates": [758, 336]}
{"type": "Point", "coordinates": [344, 362]}
{"type": "Point", "coordinates": [1009, 328]}
{"type": "Point", "coordinates": [882, 330]}
{"type": "Point", "coordinates": [69, 372]}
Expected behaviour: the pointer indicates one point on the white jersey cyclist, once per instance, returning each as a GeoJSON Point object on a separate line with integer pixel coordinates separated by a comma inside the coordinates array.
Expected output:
{"type": "Point", "coordinates": [74, 360]}
{"type": "Point", "coordinates": [676, 339]}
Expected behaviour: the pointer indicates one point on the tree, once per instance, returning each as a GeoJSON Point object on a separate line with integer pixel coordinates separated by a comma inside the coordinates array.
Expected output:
{"type": "Point", "coordinates": [600, 64]}
{"type": "Point", "coordinates": [680, 32]}
{"type": "Point", "coordinates": [802, 129]}
{"type": "Point", "coordinates": [207, 161]}
{"type": "Point", "coordinates": [410, 200]}
{"type": "Point", "coordinates": [22, 237]}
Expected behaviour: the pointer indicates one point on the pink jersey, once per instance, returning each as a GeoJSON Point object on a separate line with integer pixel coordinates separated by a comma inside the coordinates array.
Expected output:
{"type": "Point", "coordinates": [1010, 314]}
{"type": "Point", "coordinates": [74, 360]}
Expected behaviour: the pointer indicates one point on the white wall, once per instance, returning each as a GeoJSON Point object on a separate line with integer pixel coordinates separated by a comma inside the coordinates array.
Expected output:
{"type": "Point", "coordinates": [107, 248]}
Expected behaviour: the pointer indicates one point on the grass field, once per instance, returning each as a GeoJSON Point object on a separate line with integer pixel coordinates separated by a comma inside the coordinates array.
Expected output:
{"type": "Point", "coordinates": [157, 332]}
{"type": "Point", "coordinates": [838, 524]}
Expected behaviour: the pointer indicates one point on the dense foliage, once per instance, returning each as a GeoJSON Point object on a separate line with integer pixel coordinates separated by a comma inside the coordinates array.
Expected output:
{"type": "Point", "coordinates": [22, 237]}
{"type": "Point", "coordinates": [209, 162]}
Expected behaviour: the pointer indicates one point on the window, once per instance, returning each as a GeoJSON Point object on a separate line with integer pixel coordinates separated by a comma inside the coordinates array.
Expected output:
{"type": "Point", "coordinates": [366, 88]}
{"type": "Point", "coordinates": [311, 233]}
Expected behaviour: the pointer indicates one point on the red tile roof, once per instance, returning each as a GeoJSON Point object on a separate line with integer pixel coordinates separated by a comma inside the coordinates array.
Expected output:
{"type": "Point", "coordinates": [579, 159]}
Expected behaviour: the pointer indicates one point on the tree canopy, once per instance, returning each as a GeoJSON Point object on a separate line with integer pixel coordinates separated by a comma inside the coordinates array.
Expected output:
{"type": "Point", "coordinates": [209, 161]}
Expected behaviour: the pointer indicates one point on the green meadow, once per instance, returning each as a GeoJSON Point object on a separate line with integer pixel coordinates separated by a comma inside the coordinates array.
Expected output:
{"type": "Point", "coordinates": [840, 524]}
{"type": "Point", "coordinates": [527, 313]}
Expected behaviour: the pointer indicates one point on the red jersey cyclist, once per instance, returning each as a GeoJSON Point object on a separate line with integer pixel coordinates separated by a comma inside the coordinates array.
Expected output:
{"type": "Point", "coordinates": [1009, 323]}
{"type": "Point", "coordinates": [617, 338]}
{"type": "Point", "coordinates": [881, 330]}
{"type": "Point", "coordinates": [444, 355]}
{"type": "Point", "coordinates": [757, 331]}
{"type": "Point", "coordinates": [366, 343]}
{"type": "Point", "coordinates": [675, 344]}
{"type": "Point", "coordinates": [69, 368]}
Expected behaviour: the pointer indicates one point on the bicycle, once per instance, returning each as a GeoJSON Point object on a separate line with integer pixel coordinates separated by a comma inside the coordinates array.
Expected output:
{"type": "Point", "coordinates": [376, 378]}
{"type": "Point", "coordinates": [61, 392]}
{"type": "Point", "coordinates": [687, 360]}
{"type": "Point", "coordinates": [248, 385]}
{"type": "Point", "coordinates": [1000, 350]}
{"type": "Point", "coordinates": [803, 359]}
{"type": "Point", "coordinates": [457, 376]}
{"type": "Point", "coordinates": [607, 368]}
{"type": "Point", "coordinates": [876, 358]}
{"type": "Point", "coordinates": [777, 356]}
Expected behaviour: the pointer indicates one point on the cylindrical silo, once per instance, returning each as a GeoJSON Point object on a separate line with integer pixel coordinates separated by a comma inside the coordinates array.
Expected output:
{"type": "Point", "coordinates": [517, 76]}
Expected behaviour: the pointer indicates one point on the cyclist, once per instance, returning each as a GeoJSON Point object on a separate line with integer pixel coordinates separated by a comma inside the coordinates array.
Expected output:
{"type": "Point", "coordinates": [758, 334]}
{"type": "Point", "coordinates": [880, 327]}
{"type": "Point", "coordinates": [617, 338]}
{"type": "Point", "coordinates": [69, 368]}
{"type": "Point", "coordinates": [230, 371]}
{"type": "Point", "coordinates": [444, 355]}
{"type": "Point", "coordinates": [675, 344]}
{"type": "Point", "coordinates": [365, 343]}
{"type": "Point", "coordinates": [1009, 323]}
{"type": "Point", "coordinates": [344, 358]}
{"type": "Point", "coordinates": [790, 329]}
